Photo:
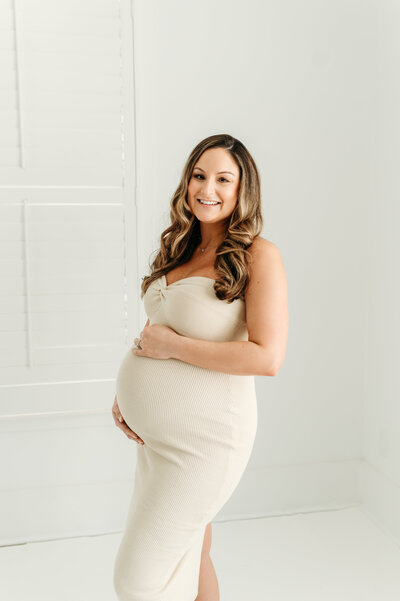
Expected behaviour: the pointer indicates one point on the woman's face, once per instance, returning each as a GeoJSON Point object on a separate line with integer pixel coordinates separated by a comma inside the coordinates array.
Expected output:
{"type": "Point", "coordinates": [215, 177]}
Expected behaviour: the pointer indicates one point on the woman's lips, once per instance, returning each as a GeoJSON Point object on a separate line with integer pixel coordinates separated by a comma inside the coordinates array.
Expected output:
{"type": "Point", "coordinates": [208, 205]}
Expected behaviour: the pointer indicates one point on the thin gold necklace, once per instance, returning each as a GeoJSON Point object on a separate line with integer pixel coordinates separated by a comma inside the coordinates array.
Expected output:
{"type": "Point", "coordinates": [207, 247]}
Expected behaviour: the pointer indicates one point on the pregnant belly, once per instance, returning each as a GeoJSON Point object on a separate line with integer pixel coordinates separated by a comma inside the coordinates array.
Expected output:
{"type": "Point", "coordinates": [173, 402]}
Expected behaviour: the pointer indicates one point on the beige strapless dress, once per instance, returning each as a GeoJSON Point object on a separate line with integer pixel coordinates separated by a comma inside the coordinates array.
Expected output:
{"type": "Point", "coordinates": [198, 426]}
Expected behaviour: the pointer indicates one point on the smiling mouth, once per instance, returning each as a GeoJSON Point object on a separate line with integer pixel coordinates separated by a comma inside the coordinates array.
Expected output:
{"type": "Point", "coordinates": [208, 204]}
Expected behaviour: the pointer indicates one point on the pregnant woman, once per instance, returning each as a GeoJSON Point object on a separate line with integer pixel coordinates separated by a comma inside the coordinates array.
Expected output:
{"type": "Point", "coordinates": [216, 301]}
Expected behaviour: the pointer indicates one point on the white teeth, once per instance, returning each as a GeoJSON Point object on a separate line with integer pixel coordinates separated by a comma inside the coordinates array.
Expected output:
{"type": "Point", "coordinates": [205, 202]}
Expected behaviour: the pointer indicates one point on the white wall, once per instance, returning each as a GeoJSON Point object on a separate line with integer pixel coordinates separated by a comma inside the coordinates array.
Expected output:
{"type": "Point", "coordinates": [380, 473]}
{"type": "Point", "coordinates": [296, 83]}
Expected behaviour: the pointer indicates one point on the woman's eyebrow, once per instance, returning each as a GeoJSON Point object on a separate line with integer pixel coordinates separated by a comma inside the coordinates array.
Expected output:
{"type": "Point", "coordinates": [218, 171]}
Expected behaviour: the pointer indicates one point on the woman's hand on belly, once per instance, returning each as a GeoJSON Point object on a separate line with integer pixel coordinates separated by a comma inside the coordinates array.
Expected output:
{"type": "Point", "coordinates": [120, 422]}
{"type": "Point", "coordinates": [156, 341]}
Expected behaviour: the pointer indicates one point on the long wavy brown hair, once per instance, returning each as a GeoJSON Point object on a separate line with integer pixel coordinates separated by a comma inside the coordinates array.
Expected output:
{"type": "Point", "coordinates": [180, 239]}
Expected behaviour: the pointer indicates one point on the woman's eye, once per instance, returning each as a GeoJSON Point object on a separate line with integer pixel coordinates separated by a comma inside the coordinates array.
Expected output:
{"type": "Point", "coordinates": [199, 175]}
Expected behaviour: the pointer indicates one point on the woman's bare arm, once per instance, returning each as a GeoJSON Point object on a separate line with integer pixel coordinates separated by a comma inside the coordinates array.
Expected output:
{"type": "Point", "coordinates": [267, 320]}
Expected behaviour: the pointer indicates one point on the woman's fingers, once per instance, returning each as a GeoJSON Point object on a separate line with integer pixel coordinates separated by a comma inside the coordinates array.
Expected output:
{"type": "Point", "coordinates": [120, 422]}
{"type": "Point", "coordinates": [130, 433]}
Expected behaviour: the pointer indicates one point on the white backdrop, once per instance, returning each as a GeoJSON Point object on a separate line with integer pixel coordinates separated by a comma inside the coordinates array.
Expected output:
{"type": "Point", "coordinates": [310, 88]}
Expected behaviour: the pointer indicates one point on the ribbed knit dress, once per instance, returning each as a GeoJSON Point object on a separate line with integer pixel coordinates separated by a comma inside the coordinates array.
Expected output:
{"type": "Point", "coordinates": [198, 426]}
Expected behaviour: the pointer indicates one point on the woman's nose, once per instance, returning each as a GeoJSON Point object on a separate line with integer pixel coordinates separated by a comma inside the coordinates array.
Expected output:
{"type": "Point", "coordinates": [208, 188]}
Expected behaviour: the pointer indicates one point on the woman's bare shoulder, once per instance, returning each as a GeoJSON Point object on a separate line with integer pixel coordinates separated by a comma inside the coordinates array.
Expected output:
{"type": "Point", "coordinates": [264, 257]}
{"type": "Point", "coordinates": [261, 245]}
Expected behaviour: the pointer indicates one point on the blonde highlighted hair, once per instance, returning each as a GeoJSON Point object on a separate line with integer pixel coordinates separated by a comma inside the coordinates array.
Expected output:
{"type": "Point", "coordinates": [181, 238]}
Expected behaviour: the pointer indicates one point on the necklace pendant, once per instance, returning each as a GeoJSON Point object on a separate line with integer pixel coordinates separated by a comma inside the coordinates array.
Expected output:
{"type": "Point", "coordinates": [203, 249]}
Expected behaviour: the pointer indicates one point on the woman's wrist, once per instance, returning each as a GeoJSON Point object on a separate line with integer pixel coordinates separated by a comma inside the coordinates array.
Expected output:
{"type": "Point", "coordinates": [177, 346]}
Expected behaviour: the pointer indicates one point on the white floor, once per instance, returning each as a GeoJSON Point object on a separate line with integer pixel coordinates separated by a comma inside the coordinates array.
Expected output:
{"type": "Point", "coordinates": [325, 556]}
